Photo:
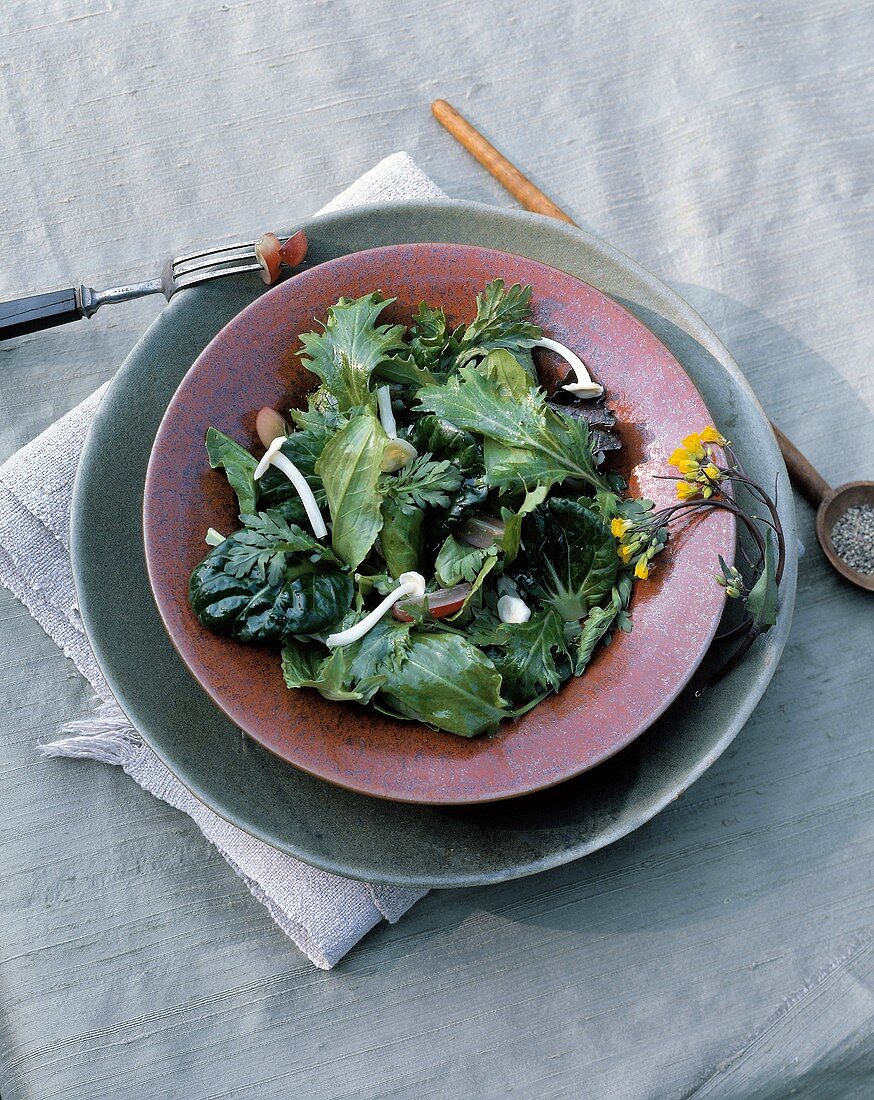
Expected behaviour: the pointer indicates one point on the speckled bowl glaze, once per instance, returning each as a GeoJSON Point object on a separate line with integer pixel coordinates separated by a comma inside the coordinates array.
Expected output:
{"type": "Point", "coordinates": [253, 362]}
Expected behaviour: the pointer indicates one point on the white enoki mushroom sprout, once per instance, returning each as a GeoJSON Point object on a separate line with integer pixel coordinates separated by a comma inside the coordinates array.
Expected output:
{"type": "Point", "coordinates": [513, 610]}
{"type": "Point", "coordinates": [273, 456]}
{"type": "Point", "coordinates": [398, 452]}
{"type": "Point", "coordinates": [412, 584]}
{"type": "Point", "coordinates": [584, 386]}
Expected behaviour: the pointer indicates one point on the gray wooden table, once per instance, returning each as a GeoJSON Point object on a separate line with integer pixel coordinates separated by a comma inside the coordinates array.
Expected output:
{"type": "Point", "coordinates": [725, 948]}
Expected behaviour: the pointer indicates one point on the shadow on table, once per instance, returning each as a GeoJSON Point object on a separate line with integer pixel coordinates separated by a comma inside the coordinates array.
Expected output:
{"type": "Point", "coordinates": [724, 844]}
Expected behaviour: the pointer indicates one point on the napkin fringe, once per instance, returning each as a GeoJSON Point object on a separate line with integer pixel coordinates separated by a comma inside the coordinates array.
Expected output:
{"type": "Point", "coordinates": [106, 735]}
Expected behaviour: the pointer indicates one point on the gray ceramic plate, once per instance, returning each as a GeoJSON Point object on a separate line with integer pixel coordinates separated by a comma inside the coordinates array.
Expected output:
{"type": "Point", "coordinates": [326, 825]}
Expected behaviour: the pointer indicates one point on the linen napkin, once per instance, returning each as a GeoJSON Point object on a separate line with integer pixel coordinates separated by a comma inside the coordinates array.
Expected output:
{"type": "Point", "coordinates": [324, 914]}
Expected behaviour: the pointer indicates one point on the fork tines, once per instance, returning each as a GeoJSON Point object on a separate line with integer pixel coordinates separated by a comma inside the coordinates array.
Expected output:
{"type": "Point", "coordinates": [212, 263]}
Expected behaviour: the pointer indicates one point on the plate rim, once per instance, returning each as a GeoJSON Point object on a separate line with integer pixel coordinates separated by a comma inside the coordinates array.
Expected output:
{"type": "Point", "coordinates": [379, 788]}
{"type": "Point", "coordinates": [659, 299]}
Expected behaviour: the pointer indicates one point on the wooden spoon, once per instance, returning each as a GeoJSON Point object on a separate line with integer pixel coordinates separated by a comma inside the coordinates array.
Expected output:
{"type": "Point", "coordinates": [830, 503]}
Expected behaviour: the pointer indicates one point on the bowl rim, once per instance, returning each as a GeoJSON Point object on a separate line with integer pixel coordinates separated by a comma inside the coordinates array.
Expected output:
{"type": "Point", "coordinates": [380, 785]}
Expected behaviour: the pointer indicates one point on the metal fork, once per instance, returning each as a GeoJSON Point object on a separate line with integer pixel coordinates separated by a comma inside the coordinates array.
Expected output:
{"type": "Point", "coordinates": [59, 307]}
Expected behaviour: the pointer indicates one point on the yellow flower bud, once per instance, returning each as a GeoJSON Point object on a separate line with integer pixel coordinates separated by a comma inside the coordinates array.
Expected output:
{"type": "Point", "coordinates": [641, 570]}
{"type": "Point", "coordinates": [712, 471]}
{"type": "Point", "coordinates": [711, 435]}
{"type": "Point", "coordinates": [624, 553]}
{"type": "Point", "coordinates": [618, 527]}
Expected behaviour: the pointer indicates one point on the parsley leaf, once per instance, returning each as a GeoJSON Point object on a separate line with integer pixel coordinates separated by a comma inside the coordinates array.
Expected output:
{"type": "Point", "coordinates": [421, 482]}
{"type": "Point", "coordinates": [351, 347]}
{"type": "Point", "coordinates": [260, 548]}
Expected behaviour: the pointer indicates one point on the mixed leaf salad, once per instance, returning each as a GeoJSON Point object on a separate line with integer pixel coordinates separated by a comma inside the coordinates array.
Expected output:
{"type": "Point", "coordinates": [435, 534]}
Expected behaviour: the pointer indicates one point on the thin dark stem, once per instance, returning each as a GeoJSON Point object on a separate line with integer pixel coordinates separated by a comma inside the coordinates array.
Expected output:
{"type": "Point", "coordinates": [734, 632]}
{"type": "Point", "coordinates": [736, 657]}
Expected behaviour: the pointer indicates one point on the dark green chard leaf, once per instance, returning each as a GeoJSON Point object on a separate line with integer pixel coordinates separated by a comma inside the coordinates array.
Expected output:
{"type": "Point", "coordinates": [351, 347]}
{"type": "Point", "coordinates": [447, 683]}
{"type": "Point", "coordinates": [531, 657]}
{"type": "Point", "coordinates": [513, 522]}
{"type": "Point", "coordinates": [431, 435]}
{"type": "Point", "coordinates": [307, 598]}
{"type": "Point", "coordinates": [538, 445]}
{"type": "Point", "coordinates": [401, 535]}
{"type": "Point", "coordinates": [238, 464]}
{"type": "Point", "coordinates": [569, 558]}
{"type": "Point", "coordinates": [349, 469]}
{"type": "Point", "coordinates": [501, 322]}
{"type": "Point", "coordinates": [464, 503]}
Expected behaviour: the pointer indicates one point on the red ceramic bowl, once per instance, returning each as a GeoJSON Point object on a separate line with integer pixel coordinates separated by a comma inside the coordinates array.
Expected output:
{"type": "Point", "coordinates": [253, 362]}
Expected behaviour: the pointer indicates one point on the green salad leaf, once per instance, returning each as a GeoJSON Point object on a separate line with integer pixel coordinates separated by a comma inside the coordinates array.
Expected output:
{"type": "Point", "coordinates": [595, 627]}
{"type": "Point", "coordinates": [501, 322]}
{"type": "Point", "coordinates": [447, 682]}
{"type": "Point", "coordinates": [442, 439]}
{"type": "Point", "coordinates": [349, 469]}
{"type": "Point", "coordinates": [238, 464]}
{"type": "Point", "coordinates": [401, 537]}
{"type": "Point", "coordinates": [513, 521]}
{"type": "Point", "coordinates": [422, 482]}
{"type": "Point", "coordinates": [539, 446]}
{"type": "Point", "coordinates": [354, 672]}
{"type": "Point", "coordinates": [263, 545]}
{"type": "Point", "coordinates": [531, 657]}
{"type": "Point", "coordinates": [351, 347]}
{"type": "Point", "coordinates": [306, 597]}
{"type": "Point", "coordinates": [433, 345]}
{"type": "Point", "coordinates": [457, 561]}
{"type": "Point", "coordinates": [569, 559]}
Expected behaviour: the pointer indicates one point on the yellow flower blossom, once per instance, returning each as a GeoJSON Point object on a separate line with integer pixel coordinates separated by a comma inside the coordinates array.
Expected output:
{"type": "Point", "coordinates": [711, 471]}
{"type": "Point", "coordinates": [711, 435]}
{"type": "Point", "coordinates": [624, 553]}
{"type": "Point", "coordinates": [641, 570]}
{"type": "Point", "coordinates": [689, 467]}
{"type": "Point", "coordinates": [680, 455]}
{"type": "Point", "coordinates": [686, 490]}
{"type": "Point", "coordinates": [692, 443]}
{"type": "Point", "coordinates": [618, 527]}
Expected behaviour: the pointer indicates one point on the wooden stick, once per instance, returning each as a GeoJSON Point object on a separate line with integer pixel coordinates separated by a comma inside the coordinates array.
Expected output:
{"type": "Point", "coordinates": [531, 197]}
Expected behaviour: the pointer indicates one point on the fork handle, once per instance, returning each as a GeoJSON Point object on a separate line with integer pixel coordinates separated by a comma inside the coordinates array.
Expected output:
{"type": "Point", "coordinates": [39, 311]}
